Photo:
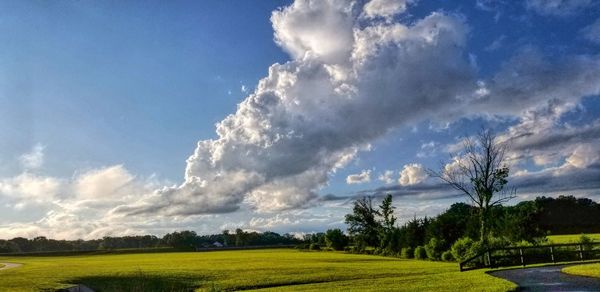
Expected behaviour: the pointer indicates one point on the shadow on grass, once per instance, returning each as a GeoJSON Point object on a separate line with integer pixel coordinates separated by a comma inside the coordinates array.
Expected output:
{"type": "Point", "coordinates": [138, 282]}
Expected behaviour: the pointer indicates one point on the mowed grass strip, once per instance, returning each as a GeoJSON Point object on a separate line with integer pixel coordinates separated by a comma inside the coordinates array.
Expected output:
{"type": "Point", "coordinates": [571, 238]}
{"type": "Point", "coordinates": [588, 270]}
{"type": "Point", "coordinates": [278, 269]}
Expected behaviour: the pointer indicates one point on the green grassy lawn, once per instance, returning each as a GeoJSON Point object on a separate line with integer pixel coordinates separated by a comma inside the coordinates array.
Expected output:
{"type": "Point", "coordinates": [571, 238]}
{"type": "Point", "coordinates": [1, 266]}
{"type": "Point", "coordinates": [589, 270]}
{"type": "Point", "coordinates": [277, 269]}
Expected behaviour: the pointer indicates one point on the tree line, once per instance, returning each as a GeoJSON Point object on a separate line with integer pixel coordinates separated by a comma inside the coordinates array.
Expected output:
{"type": "Point", "coordinates": [455, 233]}
{"type": "Point", "coordinates": [179, 240]}
{"type": "Point", "coordinates": [371, 227]}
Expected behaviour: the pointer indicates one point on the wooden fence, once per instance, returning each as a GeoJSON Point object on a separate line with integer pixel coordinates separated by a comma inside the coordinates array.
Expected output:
{"type": "Point", "coordinates": [529, 255]}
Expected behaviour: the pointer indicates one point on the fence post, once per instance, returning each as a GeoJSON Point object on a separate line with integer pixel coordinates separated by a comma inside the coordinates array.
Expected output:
{"type": "Point", "coordinates": [522, 258]}
{"type": "Point", "coordinates": [581, 252]}
{"type": "Point", "coordinates": [552, 254]}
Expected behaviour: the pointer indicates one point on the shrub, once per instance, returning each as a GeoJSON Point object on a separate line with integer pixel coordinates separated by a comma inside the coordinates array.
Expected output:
{"type": "Point", "coordinates": [434, 248]}
{"type": "Point", "coordinates": [420, 253]}
{"type": "Point", "coordinates": [314, 246]}
{"type": "Point", "coordinates": [388, 252]}
{"type": "Point", "coordinates": [523, 243]}
{"type": "Point", "coordinates": [336, 239]}
{"type": "Point", "coordinates": [499, 242]}
{"type": "Point", "coordinates": [475, 249]}
{"type": "Point", "coordinates": [353, 249]}
{"type": "Point", "coordinates": [465, 247]}
{"type": "Point", "coordinates": [447, 256]}
{"type": "Point", "coordinates": [303, 246]}
{"type": "Point", "coordinates": [407, 253]}
{"type": "Point", "coordinates": [460, 249]}
{"type": "Point", "coordinates": [586, 242]}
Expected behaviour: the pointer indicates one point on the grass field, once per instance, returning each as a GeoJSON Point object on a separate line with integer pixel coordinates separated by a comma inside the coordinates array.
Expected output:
{"type": "Point", "coordinates": [278, 269]}
{"type": "Point", "coordinates": [589, 270]}
{"type": "Point", "coordinates": [571, 238]}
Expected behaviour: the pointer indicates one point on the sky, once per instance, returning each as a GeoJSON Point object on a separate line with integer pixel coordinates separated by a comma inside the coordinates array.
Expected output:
{"type": "Point", "coordinates": [131, 117]}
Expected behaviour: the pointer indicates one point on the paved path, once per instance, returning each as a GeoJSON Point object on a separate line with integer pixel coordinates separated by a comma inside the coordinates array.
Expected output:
{"type": "Point", "coordinates": [548, 279]}
{"type": "Point", "coordinates": [9, 266]}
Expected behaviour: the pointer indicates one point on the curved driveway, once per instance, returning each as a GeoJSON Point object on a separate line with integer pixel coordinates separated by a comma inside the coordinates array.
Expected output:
{"type": "Point", "coordinates": [548, 279]}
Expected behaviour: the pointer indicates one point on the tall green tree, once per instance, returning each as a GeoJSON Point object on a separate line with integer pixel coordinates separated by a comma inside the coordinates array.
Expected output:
{"type": "Point", "coordinates": [362, 222]}
{"type": "Point", "coordinates": [387, 213]}
{"type": "Point", "coordinates": [388, 224]}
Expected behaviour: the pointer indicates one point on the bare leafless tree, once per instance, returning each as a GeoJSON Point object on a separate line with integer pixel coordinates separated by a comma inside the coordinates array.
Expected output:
{"type": "Point", "coordinates": [480, 173]}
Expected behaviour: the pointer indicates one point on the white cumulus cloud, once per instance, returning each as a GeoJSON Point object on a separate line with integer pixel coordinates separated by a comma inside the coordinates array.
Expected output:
{"type": "Point", "coordinates": [349, 82]}
{"type": "Point", "coordinates": [345, 86]}
{"type": "Point", "coordinates": [412, 174]}
{"type": "Point", "coordinates": [359, 178]}
{"type": "Point", "coordinates": [384, 8]}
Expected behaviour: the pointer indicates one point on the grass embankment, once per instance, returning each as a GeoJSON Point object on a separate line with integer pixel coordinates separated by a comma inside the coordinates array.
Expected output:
{"type": "Point", "coordinates": [571, 238]}
{"type": "Point", "coordinates": [243, 270]}
{"type": "Point", "coordinates": [589, 270]}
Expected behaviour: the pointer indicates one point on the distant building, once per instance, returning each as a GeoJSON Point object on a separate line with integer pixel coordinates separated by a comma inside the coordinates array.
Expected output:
{"type": "Point", "coordinates": [217, 244]}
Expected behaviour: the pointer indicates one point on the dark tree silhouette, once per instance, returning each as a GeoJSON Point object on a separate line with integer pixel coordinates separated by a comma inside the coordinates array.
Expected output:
{"type": "Point", "coordinates": [336, 239]}
{"type": "Point", "coordinates": [362, 223]}
{"type": "Point", "coordinates": [387, 212]}
{"type": "Point", "coordinates": [480, 173]}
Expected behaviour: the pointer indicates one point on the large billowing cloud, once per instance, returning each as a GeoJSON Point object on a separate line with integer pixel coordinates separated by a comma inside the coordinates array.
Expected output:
{"type": "Point", "coordinates": [348, 83]}
{"type": "Point", "coordinates": [353, 77]}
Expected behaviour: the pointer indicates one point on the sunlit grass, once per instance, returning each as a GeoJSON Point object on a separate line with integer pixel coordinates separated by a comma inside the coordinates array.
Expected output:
{"type": "Point", "coordinates": [571, 238]}
{"type": "Point", "coordinates": [238, 270]}
{"type": "Point", "coordinates": [589, 270]}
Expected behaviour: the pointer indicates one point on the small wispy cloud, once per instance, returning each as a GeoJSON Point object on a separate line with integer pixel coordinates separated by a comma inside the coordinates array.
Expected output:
{"type": "Point", "coordinates": [496, 44]}
{"type": "Point", "coordinates": [592, 32]}
{"type": "Point", "coordinates": [34, 159]}
{"type": "Point", "coordinates": [387, 177]}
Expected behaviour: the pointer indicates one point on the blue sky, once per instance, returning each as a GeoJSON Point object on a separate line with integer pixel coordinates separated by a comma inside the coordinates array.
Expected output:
{"type": "Point", "coordinates": [108, 109]}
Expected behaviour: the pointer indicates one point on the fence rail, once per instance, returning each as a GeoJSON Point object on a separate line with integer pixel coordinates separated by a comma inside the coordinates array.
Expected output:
{"type": "Point", "coordinates": [528, 255]}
